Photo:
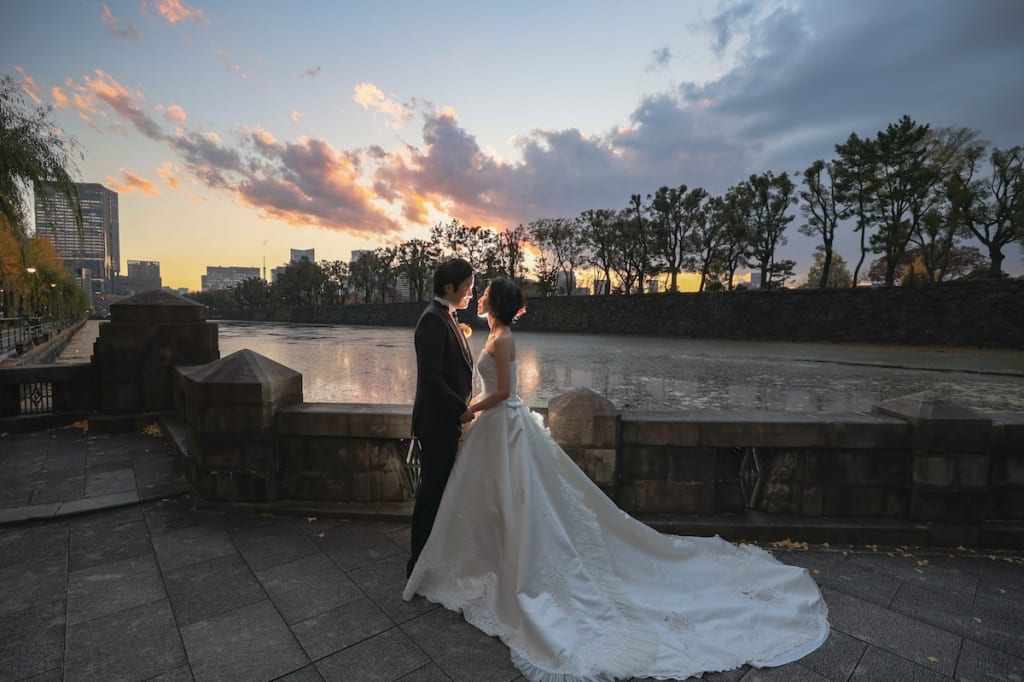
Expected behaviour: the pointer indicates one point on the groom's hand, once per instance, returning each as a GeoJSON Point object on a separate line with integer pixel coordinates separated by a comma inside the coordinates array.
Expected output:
{"type": "Point", "coordinates": [466, 417]}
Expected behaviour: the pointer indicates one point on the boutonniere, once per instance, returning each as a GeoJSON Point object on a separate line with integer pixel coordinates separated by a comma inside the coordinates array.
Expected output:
{"type": "Point", "coordinates": [467, 331]}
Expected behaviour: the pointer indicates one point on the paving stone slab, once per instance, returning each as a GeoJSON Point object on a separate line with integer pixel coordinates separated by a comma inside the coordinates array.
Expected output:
{"type": "Point", "coordinates": [32, 541]}
{"type": "Point", "coordinates": [183, 674]}
{"type": "Point", "coordinates": [383, 658]}
{"type": "Point", "coordinates": [793, 672]}
{"type": "Point", "coordinates": [837, 658]}
{"type": "Point", "coordinates": [107, 482]}
{"type": "Point", "coordinates": [173, 514]}
{"type": "Point", "coordinates": [136, 644]}
{"type": "Point", "coordinates": [55, 675]}
{"type": "Point", "coordinates": [384, 583]}
{"type": "Point", "coordinates": [190, 545]}
{"type": "Point", "coordinates": [107, 518]}
{"type": "Point", "coordinates": [249, 644]}
{"type": "Point", "coordinates": [89, 504]}
{"type": "Point", "coordinates": [274, 544]}
{"type": "Point", "coordinates": [92, 545]}
{"type": "Point", "coordinates": [108, 588]}
{"type": "Point", "coordinates": [460, 650]}
{"type": "Point", "coordinates": [1001, 631]}
{"type": "Point", "coordinates": [1006, 601]}
{"type": "Point", "coordinates": [339, 628]}
{"type": "Point", "coordinates": [832, 569]}
{"type": "Point", "coordinates": [428, 673]}
{"type": "Point", "coordinates": [979, 663]}
{"type": "Point", "coordinates": [32, 512]}
{"type": "Point", "coordinates": [307, 674]}
{"type": "Point", "coordinates": [206, 589]}
{"type": "Point", "coordinates": [49, 490]}
{"type": "Point", "coordinates": [32, 641]}
{"type": "Point", "coordinates": [893, 632]}
{"type": "Point", "coordinates": [32, 583]}
{"type": "Point", "coordinates": [882, 665]}
{"type": "Point", "coordinates": [307, 587]}
{"type": "Point", "coordinates": [354, 545]}
{"type": "Point", "coordinates": [923, 571]}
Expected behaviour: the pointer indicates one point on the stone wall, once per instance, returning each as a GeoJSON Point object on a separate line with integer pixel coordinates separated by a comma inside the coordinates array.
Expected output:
{"type": "Point", "coordinates": [975, 313]}
{"type": "Point", "coordinates": [962, 313]}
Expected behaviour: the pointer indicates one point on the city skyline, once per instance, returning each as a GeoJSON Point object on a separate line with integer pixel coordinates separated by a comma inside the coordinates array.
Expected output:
{"type": "Point", "coordinates": [234, 132]}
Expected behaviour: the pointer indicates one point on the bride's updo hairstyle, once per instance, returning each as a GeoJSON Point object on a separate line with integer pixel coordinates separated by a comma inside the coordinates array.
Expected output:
{"type": "Point", "coordinates": [506, 300]}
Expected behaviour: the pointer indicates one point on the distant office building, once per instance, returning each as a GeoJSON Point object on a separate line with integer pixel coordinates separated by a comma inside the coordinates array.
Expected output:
{"type": "Point", "coordinates": [565, 281]}
{"type": "Point", "coordinates": [359, 253]}
{"type": "Point", "coordinates": [299, 254]}
{"type": "Point", "coordinates": [601, 287]}
{"type": "Point", "coordinates": [226, 277]}
{"type": "Point", "coordinates": [96, 248]}
{"type": "Point", "coordinates": [652, 286]}
{"type": "Point", "coordinates": [143, 275]}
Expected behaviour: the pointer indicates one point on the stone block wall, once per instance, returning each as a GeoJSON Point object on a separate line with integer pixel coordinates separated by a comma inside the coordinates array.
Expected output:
{"type": "Point", "coordinates": [343, 452]}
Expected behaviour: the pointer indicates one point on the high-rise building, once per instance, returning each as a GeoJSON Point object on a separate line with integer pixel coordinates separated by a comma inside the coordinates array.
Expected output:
{"type": "Point", "coordinates": [299, 254]}
{"type": "Point", "coordinates": [226, 277]}
{"type": "Point", "coordinates": [95, 248]}
{"type": "Point", "coordinates": [143, 275]}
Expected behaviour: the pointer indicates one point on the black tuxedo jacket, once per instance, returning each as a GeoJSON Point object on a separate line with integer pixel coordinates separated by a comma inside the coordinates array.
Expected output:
{"type": "Point", "coordinates": [444, 375]}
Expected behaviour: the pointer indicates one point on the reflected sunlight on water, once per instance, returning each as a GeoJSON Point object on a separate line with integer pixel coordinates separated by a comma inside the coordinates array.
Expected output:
{"type": "Point", "coordinates": [378, 365]}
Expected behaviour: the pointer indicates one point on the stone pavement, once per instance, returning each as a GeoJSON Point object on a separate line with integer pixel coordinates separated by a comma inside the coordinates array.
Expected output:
{"type": "Point", "coordinates": [160, 590]}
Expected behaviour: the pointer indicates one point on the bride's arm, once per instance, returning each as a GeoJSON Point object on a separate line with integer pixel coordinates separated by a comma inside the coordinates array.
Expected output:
{"type": "Point", "coordinates": [502, 351]}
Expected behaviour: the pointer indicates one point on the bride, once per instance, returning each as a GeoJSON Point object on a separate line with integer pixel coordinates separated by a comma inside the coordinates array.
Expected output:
{"type": "Point", "coordinates": [529, 550]}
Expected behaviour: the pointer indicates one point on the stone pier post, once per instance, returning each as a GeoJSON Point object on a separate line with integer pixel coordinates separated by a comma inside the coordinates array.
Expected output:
{"type": "Point", "coordinates": [950, 461]}
{"type": "Point", "coordinates": [147, 335]}
{"type": "Point", "coordinates": [587, 426]}
{"type": "Point", "coordinates": [230, 409]}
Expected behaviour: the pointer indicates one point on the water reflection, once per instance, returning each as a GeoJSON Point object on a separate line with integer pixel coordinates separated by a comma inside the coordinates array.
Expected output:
{"type": "Point", "coordinates": [377, 364]}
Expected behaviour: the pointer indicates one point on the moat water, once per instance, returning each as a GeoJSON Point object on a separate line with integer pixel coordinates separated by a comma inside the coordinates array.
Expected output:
{"type": "Point", "coordinates": [378, 365]}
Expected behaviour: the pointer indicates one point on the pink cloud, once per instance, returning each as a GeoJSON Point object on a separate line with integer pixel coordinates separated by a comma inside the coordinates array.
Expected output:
{"type": "Point", "coordinates": [116, 29]}
{"type": "Point", "coordinates": [133, 183]}
{"type": "Point", "coordinates": [174, 11]}
{"type": "Point", "coordinates": [370, 97]}
{"type": "Point", "coordinates": [170, 174]}
{"type": "Point", "coordinates": [173, 113]}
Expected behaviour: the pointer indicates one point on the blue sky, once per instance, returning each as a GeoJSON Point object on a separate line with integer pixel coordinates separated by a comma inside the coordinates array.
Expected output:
{"type": "Point", "coordinates": [234, 131]}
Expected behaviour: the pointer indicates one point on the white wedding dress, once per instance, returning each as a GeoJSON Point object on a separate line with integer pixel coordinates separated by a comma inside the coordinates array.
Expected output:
{"type": "Point", "coordinates": [529, 550]}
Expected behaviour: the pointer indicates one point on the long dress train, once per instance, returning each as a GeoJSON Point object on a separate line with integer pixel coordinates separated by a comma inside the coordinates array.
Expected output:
{"type": "Point", "coordinates": [530, 550]}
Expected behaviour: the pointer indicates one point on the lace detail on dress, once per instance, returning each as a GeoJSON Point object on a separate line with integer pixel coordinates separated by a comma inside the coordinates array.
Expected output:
{"type": "Point", "coordinates": [677, 622]}
{"type": "Point", "coordinates": [557, 585]}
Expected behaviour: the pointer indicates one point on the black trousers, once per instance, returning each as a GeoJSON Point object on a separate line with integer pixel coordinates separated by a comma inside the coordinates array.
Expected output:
{"type": "Point", "coordinates": [437, 457]}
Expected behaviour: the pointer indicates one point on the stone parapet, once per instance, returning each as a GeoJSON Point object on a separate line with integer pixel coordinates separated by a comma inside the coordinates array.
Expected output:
{"type": "Point", "coordinates": [230, 409]}
{"type": "Point", "coordinates": [344, 452]}
{"type": "Point", "coordinates": [136, 351]}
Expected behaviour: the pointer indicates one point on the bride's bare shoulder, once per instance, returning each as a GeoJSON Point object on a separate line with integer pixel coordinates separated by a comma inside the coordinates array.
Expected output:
{"type": "Point", "coordinates": [505, 345]}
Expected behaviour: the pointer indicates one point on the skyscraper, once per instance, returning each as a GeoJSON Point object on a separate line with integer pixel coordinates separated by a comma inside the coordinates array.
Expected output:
{"type": "Point", "coordinates": [94, 254]}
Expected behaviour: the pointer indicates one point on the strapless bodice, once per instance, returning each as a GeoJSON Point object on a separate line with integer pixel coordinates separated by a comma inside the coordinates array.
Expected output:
{"type": "Point", "coordinates": [487, 367]}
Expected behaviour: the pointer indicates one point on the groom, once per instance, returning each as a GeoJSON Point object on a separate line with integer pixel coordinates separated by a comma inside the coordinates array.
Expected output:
{"type": "Point", "coordinates": [444, 375]}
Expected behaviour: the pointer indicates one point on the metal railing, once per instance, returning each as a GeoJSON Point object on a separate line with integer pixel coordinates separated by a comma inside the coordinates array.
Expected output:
{"type": "Point", "coordinates": [17, 334]}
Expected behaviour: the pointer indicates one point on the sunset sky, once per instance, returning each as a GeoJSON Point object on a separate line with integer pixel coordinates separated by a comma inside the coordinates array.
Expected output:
{"type": "Point", "coordinates": [235, 130]}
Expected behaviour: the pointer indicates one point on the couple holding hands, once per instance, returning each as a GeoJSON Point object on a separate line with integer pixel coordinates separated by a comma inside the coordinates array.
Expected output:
{"type": "Point", "coordinates": [508, 531]}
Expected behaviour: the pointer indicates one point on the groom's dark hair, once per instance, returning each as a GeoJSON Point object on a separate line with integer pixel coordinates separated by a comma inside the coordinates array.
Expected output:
{"type": "Point", "coordinates": [454, 272]}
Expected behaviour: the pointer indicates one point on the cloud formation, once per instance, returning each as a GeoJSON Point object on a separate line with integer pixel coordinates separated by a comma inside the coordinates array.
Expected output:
{"type": "Point", "coordinates": [174, 11]}
{"type": "Point", "coordinates": [312, 72]}
{"type": "Point", "coordinates": [132, 183]}
{"type": "Point", "coordinates": [799, 80]}
{"type": "Point", "coordinates": [371, 98]}
{"type": "Point", "coordinates": [660, 59]}
{"type": "Point", "coordinates": [125, 31]}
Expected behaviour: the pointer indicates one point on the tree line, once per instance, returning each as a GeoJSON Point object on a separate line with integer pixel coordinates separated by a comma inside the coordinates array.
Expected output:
{"type": "Point", "coordinates": [913, 195]}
